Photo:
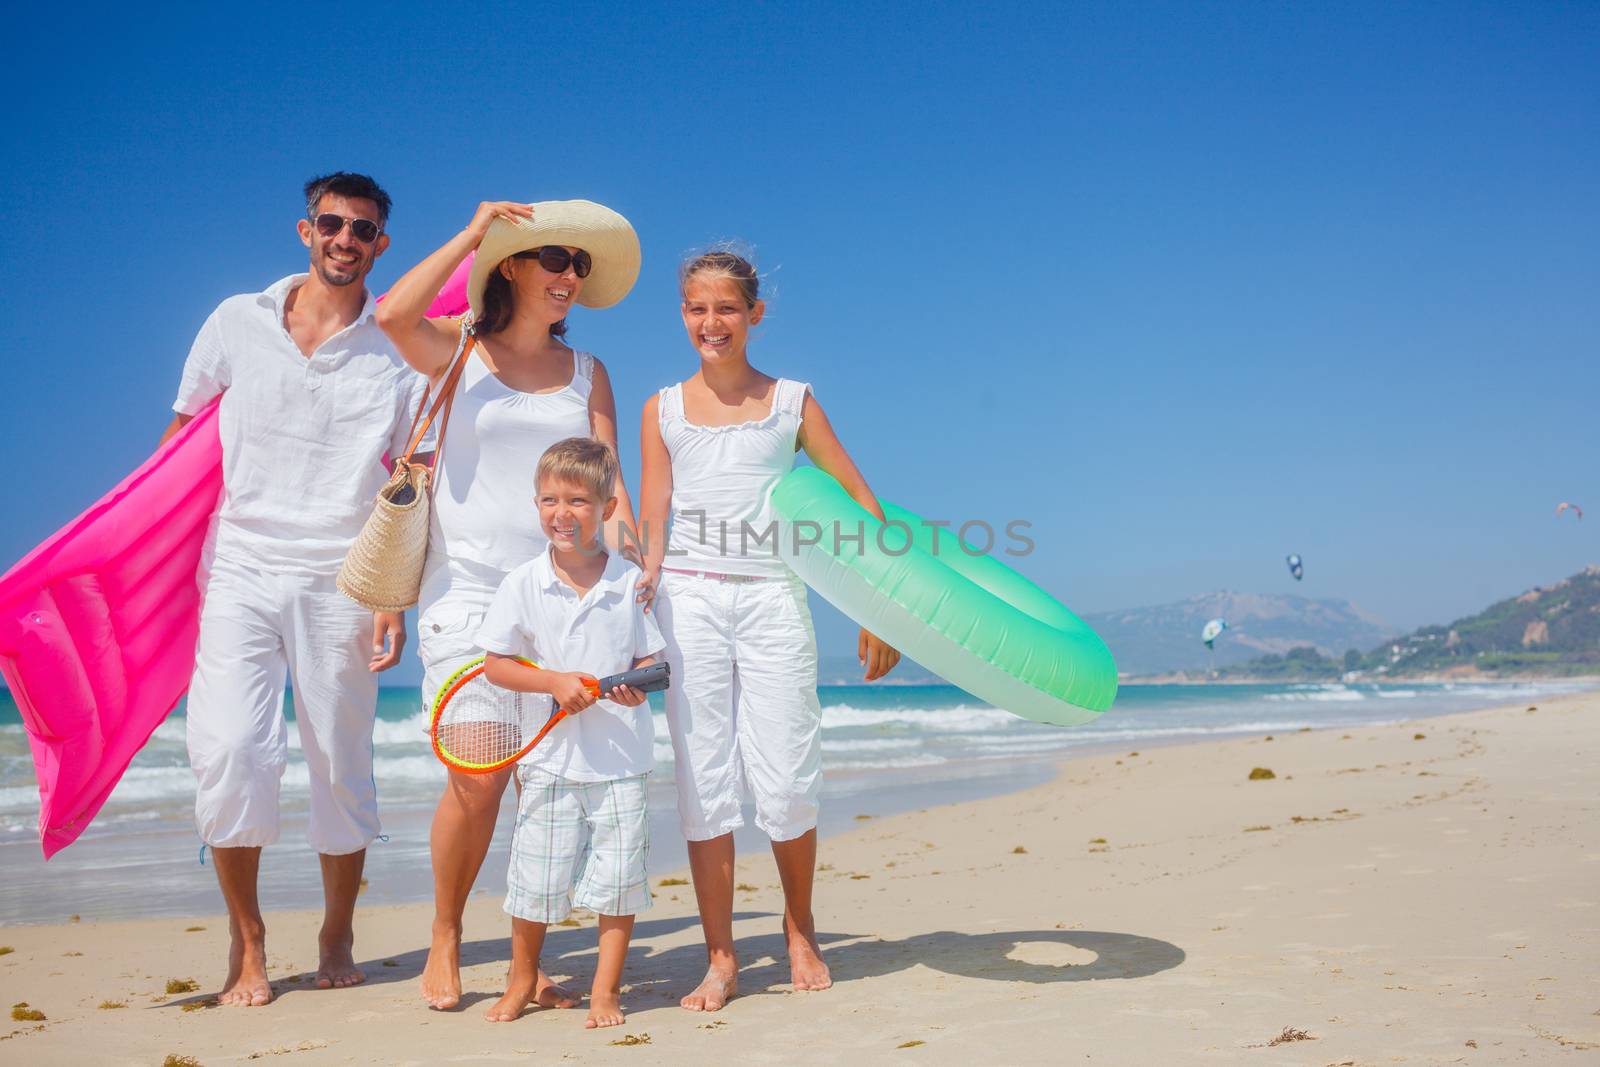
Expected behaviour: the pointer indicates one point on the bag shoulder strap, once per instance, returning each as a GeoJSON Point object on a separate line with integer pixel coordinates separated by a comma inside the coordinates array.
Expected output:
{"type": "Point", "coordinates": [447, 388]}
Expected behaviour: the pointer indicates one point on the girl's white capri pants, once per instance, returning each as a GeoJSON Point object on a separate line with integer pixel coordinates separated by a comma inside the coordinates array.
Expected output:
{"type": "Point", "coordinates": [255, 630]}
{"type": "Point", "coordinates": [743, 708]}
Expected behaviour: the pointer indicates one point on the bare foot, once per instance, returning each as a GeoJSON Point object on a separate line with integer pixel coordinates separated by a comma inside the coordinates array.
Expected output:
{"type": "Point", "coordinates": [720, 985]}
{"type": "Point", "coordinates": [605, 1009]}
{"type": "Point", "coordinates": [806, 969]}
{"type": "Point", "coordinates": [336, 963]}
{"type": "Point", "coordinates": [548, 994]}
{"type": "Point", "coordinates": [519, 994]}
{"type": "Point", "coordinates": [441, 975]}
{"type": "Point", "coordinates": [247, 985]}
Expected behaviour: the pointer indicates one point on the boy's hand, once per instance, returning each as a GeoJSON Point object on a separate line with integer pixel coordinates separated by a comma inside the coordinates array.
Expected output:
{"type": "Point", "coordinates": [571, 691]}
{"type": "Point", "coordinates": [388, 629]}
{"type": "Point", "coordinates": [626, 695]}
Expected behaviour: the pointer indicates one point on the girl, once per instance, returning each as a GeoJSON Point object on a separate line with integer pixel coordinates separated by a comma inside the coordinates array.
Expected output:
{"type": "Point", "coordinates": [743, 708]}
{"type": "Point", "coordinates": [522, 390]}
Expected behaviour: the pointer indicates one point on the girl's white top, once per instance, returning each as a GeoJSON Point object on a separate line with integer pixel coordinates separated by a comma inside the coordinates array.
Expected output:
{"type": "Point", "coordinates": [484, 522]}
{"type": "Point", "coordinates": [722, 481]}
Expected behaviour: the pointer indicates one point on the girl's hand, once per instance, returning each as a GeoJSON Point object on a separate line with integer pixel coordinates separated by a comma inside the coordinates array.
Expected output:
{"type": "Point", "coordinates": [489, 210]}
{"type": "Point", "coordinates": [626, 695]}
{"type": "Point", "coordinates": [571, 691]}
{"type": "Point", "coordinates": [878, 658]}
{"type": "Point", "coordinates": [647, 587]}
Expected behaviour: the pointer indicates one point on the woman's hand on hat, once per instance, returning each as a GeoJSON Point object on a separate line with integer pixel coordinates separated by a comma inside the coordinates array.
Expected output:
{"type": "Point", "coordinates": [489, 210]}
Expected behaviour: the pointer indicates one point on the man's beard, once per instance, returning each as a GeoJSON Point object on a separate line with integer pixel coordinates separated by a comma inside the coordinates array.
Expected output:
{"type": "Point", "coordinates": [338, 276]}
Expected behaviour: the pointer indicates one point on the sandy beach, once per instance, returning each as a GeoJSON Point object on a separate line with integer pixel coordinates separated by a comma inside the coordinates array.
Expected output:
{"type": "Point", "coordinates": [1423, 893]}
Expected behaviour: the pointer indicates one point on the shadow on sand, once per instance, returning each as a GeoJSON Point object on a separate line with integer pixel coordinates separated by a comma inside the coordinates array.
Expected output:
{"type": "Point", "coordinates": [662, 974]}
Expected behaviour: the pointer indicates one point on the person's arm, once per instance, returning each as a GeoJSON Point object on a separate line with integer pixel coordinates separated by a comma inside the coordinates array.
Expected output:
{"type": "Point", "coordinates": [206, 375]}
{"type": "Point", "coordinates": [569, 688]}
{"type": "Point", "coordinates": [427, 344]}
{"type": "Point", "coordinates": [823, 446]}
{"type": "Point", "coordinates": [655, 492]}
{"type": "Point", "coordinates": [622, 536]}
{"type": "Point", "coordinates": [178, 422]}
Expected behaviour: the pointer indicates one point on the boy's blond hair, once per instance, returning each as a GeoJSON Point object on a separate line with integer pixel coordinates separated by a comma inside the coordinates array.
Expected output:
{"type": "Point", "coordinates": [583, 460]}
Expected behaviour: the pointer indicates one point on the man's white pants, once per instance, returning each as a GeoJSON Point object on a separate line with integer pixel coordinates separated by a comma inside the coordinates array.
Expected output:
{"type": "Point", "coordinates": [255, 630]}
{"type": "Point", "coordinates": [742, 709]}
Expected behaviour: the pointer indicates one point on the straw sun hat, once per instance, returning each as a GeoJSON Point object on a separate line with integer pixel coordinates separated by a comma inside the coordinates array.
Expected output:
{"type": "Point", "coordinates": [605, 235]}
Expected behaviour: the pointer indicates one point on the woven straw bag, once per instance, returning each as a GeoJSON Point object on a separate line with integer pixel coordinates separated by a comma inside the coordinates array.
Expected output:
{"type": "Point", "coordinates": [383, 569]}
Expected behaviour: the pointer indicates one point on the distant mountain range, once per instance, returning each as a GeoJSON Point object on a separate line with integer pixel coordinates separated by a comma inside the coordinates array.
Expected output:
{"type": "Point", "coordinates": [1550, 630]}
{"type": "Point", "coordinates": [1166, 637]}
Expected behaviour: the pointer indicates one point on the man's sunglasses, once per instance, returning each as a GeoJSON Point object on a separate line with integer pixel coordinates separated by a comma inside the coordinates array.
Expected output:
{"type": "Point", "coordinates": [364, 230]}
{"type": "Point", "coordinates": [556, 259]}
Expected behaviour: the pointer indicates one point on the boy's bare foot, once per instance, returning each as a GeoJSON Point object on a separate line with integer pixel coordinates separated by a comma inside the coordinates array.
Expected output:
{"type": "Point", "coordinates": [806, 969]}
{"type": "Point", "coordinates": [519, 994]}
{"type": "Point", "coordinates": [247, 985]}
{"type": "Point", "coordinates": [720, 985]}
{"type": "Point", "coordinates": [605, 1009]}
{"type": "Point", "coordinates": [548, 994]}
{"type": "Point", "coordinates": [336, 963]}
{"type": "Point", "coordinates": [441, 975]}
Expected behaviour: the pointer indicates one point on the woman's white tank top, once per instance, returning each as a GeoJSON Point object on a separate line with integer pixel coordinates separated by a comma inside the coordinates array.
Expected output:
{"type": "Point", "coordinates": [484, 522]}
{"type": "Point", "coordinates": [722, 481]}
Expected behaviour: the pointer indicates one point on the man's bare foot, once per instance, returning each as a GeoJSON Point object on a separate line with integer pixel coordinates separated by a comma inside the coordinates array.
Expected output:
{"type": "Point", "coordinates": [548, 994]}
{"type": "Point", "coordinates": [720, 985]}
{"type": "Point", "coordinates": [247, 985]}
{"type": "Point", "coordinates": [806, 969]}
{"type": "Point", "coordinates": [441, 975]}
{"type": "Point", "coordinates": [519, 994]}
{"type": "Point", "coordinates": [336, 963]}
{"type": "Point", "coordinates": [605, 1009]}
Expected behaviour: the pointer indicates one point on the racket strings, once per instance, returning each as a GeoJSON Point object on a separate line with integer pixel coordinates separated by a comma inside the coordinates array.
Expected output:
{"type": "Point", "coordinates": [482, 725]}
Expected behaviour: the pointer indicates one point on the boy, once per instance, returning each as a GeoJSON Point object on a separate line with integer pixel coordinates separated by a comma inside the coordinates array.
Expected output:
{"type": "Point", "coordinates": [581, 814]}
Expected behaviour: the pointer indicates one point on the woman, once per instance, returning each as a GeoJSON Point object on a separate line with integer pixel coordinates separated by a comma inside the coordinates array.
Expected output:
{"type": "Point", "coordinates": [521, 390]}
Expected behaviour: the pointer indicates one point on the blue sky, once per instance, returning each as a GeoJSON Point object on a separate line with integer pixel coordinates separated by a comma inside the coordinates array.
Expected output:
{"type": "Point", "coordinates": [1186, 286]}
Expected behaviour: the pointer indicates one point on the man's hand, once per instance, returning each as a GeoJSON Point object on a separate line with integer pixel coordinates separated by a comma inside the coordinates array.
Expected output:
{"type": "Point", "coordinates": [388, 632]}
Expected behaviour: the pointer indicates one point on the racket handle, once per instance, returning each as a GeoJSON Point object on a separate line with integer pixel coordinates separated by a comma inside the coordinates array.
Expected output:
{"type": "Point", "coordinates": [651, 679]}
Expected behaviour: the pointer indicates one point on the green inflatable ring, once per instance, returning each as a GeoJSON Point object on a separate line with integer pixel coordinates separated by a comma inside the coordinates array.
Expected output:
{"type": "Point", "coordinates": [969, 618]}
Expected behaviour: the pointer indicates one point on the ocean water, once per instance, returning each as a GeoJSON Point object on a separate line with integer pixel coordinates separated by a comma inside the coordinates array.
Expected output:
{"type": "Point", "coordinates": [886, 748]}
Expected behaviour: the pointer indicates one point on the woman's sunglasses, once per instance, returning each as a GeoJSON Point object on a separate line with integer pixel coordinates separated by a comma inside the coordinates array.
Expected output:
{"type": "Point", "coordinates": [556, 259]}
{"type": "Point", "coordinates": [364, 230]}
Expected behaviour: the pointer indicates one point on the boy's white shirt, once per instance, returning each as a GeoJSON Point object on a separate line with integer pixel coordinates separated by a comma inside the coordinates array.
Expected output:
{"type": "Point", "coordinates": [538, 616]}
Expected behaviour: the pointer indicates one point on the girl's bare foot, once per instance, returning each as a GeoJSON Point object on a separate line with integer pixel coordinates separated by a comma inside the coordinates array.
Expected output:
{"type": "Point", "coordinates": [806, 969]}
{"type": "Point", "coordinates": [548, 994]}
{"type": "Point", "coordinates": [605, 1009]}
{"type": "Point", "coordinates": [720, 985]}
{"type": "Point", "coordinates": [441, 975]}
{"type": "Point", "coordinates": [247, 985]}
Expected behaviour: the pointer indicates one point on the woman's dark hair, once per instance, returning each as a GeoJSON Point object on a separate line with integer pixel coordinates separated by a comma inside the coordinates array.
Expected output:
{"type": "Point", "coordinates": [497, 308]}
{"type": "Point", "coordinates": [344, 183]}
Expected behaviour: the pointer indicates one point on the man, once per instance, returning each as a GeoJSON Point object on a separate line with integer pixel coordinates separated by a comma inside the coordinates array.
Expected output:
{"type": "Point", "coordinates": [313, 395]}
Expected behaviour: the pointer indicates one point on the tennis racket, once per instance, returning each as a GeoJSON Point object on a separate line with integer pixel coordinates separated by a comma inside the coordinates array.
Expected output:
{"type": "Point", "coordinates": [477, 727]}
